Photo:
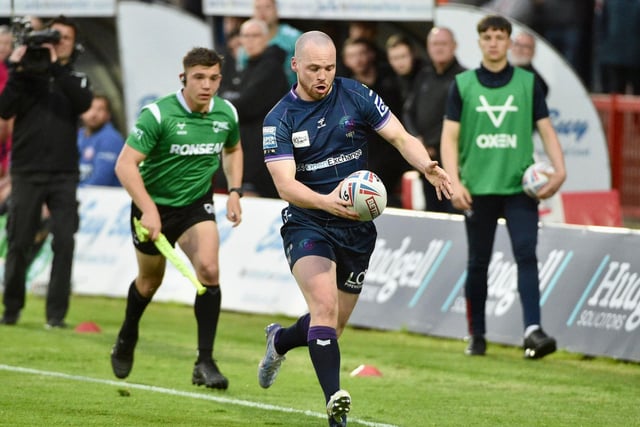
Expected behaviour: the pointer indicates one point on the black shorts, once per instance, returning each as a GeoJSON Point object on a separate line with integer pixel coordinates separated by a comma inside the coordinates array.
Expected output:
{"type": "Point", "coordinates": [349, 247]}
{"type": "Point", "coordinates": [175, 221]}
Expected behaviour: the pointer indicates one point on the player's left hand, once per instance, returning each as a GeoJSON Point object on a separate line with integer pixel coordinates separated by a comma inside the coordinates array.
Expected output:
{"type": "Point", "coordinates": [234, 210]}
{"type": "Point", "coordinates": [439, 179]}
{"type": "Point", "coordinates": [556, 179]}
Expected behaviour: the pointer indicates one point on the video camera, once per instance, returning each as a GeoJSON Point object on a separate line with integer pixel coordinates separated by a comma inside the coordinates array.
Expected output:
{"type": "Point", "coordinates": [37, 58]}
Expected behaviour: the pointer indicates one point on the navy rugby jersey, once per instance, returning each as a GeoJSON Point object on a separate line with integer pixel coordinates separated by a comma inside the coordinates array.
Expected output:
{"type": "Point", "coordinates": [326, 138]}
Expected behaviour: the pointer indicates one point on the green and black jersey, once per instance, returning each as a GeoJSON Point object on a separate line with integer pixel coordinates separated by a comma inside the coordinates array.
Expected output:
{"type": "Point", "coordinates": [183, 148]}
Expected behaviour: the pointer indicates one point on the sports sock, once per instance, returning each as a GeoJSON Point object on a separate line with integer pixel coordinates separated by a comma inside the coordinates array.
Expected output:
{"type": "Point", "coordinates": [136, 304]}
{"type": "Point", "coordinates": [207, 311]}
{"type": "Point", "coordinates": [530, 329]}
{"type": "Point", "coordinates": [294, 336]}
{"type": "Point", "coordinates": [325, 356]}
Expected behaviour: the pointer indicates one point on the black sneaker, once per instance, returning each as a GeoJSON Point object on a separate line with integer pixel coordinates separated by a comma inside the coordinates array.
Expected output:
{"type": "Point", "coordinates": [477, 346]}
{"type": "Point", "coordinates": [122, 357]}
{"type": "Point", "coordinates": [206, 373]}
{"type": "Point", "coordinates": [538, 345]}
{"type": "Point", "coordinates": [9, 320]}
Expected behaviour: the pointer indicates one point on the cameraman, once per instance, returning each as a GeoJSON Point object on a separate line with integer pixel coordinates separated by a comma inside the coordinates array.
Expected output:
{"type": "Point", "coordinates": [46, 102]}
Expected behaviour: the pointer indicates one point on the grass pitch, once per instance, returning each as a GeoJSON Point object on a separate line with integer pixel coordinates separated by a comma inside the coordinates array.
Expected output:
{"type": "Point", "coordinates": [64, 378]}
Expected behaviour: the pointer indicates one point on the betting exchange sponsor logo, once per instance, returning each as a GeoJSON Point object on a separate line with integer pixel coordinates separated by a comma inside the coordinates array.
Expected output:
{"type": "Point", "coordinates": [612, 299]}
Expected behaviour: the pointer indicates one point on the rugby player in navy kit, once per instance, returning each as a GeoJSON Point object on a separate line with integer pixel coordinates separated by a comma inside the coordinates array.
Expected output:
{"type": "Point", "coordinates": [313, 139]}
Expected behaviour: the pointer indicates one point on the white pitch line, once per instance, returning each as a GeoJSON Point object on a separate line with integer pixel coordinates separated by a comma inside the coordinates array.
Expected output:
{"type": "Point", "coordinates": [173, 392]}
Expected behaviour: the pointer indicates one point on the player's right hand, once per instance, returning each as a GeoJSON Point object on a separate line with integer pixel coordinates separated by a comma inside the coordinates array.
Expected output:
{"type": "Point", "coordinates": [339, 207]}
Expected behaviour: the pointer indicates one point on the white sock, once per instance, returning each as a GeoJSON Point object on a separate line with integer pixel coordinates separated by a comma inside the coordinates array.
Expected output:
{"type": "Point", "coordinates": [530, 329]}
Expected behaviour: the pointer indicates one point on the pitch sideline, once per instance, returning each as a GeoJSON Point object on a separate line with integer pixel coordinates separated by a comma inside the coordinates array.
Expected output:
{"type": "Point", "coordinates": [191, 395]}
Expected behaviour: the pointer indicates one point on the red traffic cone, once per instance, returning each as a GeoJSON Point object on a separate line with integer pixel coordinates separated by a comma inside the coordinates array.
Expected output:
{"type": "Point", "coordinates": [366, 371]}
{"type": "Point", "coordinates": [88, 327]}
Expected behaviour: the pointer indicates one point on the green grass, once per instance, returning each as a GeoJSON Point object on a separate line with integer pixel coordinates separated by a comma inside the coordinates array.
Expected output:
{"type": "Point", "coordinates": [426, 381]}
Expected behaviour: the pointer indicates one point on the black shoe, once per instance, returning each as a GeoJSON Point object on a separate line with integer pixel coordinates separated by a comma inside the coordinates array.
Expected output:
{"type": "Point", "coordinates": [477, 346]}
{"type": "Point", "coordinates": [122, 357]}
{"type": "Point", "coordinates": [538, 345]}
{"type": "Point", "coordinates": [51, 324]}
{"type": "Point", "coordinates": [9, 319]}
{"type": "Point", "coordinates": [206, 373]}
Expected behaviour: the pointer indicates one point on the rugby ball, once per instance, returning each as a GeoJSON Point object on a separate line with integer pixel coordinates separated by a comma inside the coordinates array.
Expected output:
{"type": "Point", "coordinates": [535, 177]}
{"type": "Point", "coordinates": [366, 192]}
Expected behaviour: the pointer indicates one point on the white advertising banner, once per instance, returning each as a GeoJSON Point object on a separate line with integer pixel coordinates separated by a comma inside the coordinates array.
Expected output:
{"type": "Point", "coordinates": [45, 8]}
{"type": "Point", "coordinates": [572, 113]}
{"type": "Point", "coordinates": [254, 274]}
{"type": "Point", "coordinates": [372, 10]}
{"type": "Point", "coordinates": [153, 40]}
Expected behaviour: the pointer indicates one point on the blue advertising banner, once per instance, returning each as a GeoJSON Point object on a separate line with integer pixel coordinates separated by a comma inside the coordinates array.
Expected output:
{"type": "Point", "coordinates": [589, 284]}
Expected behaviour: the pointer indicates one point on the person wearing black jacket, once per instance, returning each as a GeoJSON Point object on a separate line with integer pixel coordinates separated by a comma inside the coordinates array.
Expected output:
{"type": "Point", "coordinates": [424, 110]}
{"type": "Point", "coordinates": [262, 84]}
{"type": "Point", "coordinates": [46, 101]}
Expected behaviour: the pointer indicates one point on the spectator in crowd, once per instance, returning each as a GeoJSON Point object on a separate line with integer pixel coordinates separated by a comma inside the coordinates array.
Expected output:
{"type": "Point", "coordinates": [230, 83]}
{"type": "Point", "coordinates": [618, 46]}
{"type": "Point", "coordinates": [6, 46]}
{"type": "Point", "coordinates": [327, 249]}
{"type": "Point", "coordinates": [282, 35]}
{"type": "Point", "coordinates": [424, 110]}
{"type": "Point", "coordinates": [359, 58]}
{"type": "Point", "coordinates": [99, 144]}
{"type": "Point", "coordinates": [502, 100]}
{"type": "Point", "coordinates": [46, 97]}
{"type": "Point", "coordinates": [171, 193]}
{"type": "Point", "coordinates": [262, 84]}
{"type": "Point", "coordinates": [523, 49]}
{"type": "Point", "coordinates": [566, 25]}
{"type": "Point", "coordinates": [523, 11]}
{"type": "Point", "coordinates": [230, 86]}
{"type": "Point", "coordinates": [366, 30]}
{"type": "Point", "coordinates": [405, 63]}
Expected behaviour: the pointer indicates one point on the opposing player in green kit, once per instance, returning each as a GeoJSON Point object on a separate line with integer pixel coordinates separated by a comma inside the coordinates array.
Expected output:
{"type": "Point", "coordinates": [166, 166]}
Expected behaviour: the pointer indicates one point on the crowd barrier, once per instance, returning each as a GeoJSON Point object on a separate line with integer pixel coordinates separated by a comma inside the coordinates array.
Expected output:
{"type": "Point", "coordinates": [589, 280]}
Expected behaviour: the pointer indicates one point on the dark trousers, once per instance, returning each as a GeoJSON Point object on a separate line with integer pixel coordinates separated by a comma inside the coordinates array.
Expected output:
{"type": "Point", "coordinates": [432, 201]}
{"type": "Point", "coordinates": [25, 207]}
{"type": "Point", "coordinates": [521, 215]}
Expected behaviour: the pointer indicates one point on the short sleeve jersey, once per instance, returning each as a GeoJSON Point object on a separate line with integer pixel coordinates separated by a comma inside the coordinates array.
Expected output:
{"type": "Point", "coordinates": [326, 138]}
{"type": "Point", "coordinates": [183, 147]}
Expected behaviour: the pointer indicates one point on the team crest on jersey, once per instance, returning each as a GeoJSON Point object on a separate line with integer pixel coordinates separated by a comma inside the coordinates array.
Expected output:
{"type": "Point", "coordinates": [301, 139]}
{"type": "Point", "coordinates": [269, 141]}
{"type": "Point", "coordinates": [219, 126]}
{"type": "Point", "coordinates": [137, 132]}
{"type": "Point", "coordinates": [347, 123]}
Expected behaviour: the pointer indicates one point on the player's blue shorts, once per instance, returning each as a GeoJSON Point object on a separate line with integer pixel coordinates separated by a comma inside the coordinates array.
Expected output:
{"type": "Point", "coordinates": [175, 220]}
{"type": "Point", "coordinates": [350, 247]}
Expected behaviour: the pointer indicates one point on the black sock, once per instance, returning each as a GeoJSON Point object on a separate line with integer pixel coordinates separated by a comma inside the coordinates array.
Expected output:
{"type": "Point", "coordinates": [136, 304]}
{"type": "Point", "coordinates": [325, 356]}
{"type": "Point", "coordinates": [293, 336]}
{"type": "Point", "coordinates": [207, 311]}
